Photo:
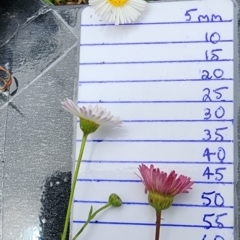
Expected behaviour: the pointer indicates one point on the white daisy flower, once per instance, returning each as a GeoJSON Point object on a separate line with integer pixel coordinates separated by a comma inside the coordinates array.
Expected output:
{"type": "Point", "coordinates": [118, 11]}
{"type": "Point", "coordinates": [92, 117]}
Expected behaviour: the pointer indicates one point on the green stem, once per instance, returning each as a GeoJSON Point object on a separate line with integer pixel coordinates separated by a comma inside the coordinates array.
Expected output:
{"type": "Point", "coordinates": [90, 218]}
{"type": "Point", "coordinates": [84, 139]}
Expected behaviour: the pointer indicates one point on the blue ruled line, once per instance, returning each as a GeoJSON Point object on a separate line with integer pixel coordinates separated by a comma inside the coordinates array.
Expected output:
{"type": "Point", "coordinates": [149, 62]}
{"type": "Point", "coordinates": [163, 162]}
{"type": "Point", "coordinates": [149, 43]}
{"type": "Point", "coordinates": [151, 224]}
{"type": "Point", "coordinates": [169, 141]}
{"type": "Point", "coordinates": [207, 102]}
{"type": "Point", "coordinates": [138, 181]}
{"type": "Point", "coordinates": [159, 80]}
{"type": "Point", "coordinates": [155, 23]}
{"type": "Point", "coordinates": [146, 204]}
{"type": "Point", "coordinates": [176, 120]}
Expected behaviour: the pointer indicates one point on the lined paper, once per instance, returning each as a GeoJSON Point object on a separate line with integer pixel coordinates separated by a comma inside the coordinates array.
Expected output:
{"type": "Point", "coordinates": [169, 76]}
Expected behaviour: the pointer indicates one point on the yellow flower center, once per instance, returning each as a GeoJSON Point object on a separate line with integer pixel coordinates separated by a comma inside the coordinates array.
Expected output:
{"type": "Point", "coordinates": [118, 3]}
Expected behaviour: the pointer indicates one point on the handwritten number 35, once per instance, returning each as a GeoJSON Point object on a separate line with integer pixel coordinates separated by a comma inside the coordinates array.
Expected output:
{"type": "Point", "coordinates": [218, 136]}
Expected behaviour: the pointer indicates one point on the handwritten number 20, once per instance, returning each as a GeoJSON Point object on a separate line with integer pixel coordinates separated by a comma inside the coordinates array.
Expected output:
{"type": "Point", "coordinates": [217, 73]}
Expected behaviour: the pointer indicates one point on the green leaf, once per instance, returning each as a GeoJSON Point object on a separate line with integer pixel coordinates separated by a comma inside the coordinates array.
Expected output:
{"type": "Point", "coordinates": [49, 2]}
{"type": "Point", "coordinates": [90, 212]}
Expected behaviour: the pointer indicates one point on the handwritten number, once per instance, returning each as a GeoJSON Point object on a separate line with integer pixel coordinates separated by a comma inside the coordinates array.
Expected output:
{"type": "Point", "coordinates": [217, 237]}
{"type": "Point", "coordinates": [218, 174]}
{"type": "Point", "coordinates": [219, 136]}
{"type": "Point", "coordinates": [206, 221]}
{"type": "Point", "coordinates": [206, 97]}
{"type": "Point", "coordinates": [218, 199]}
{"type": "Point", "coordinates": [214, 38]}
{"type": "Point", "coordinates": [220, 112]}
{"type": "Point", "coordinates": [187, 14]}
{"type": "Point", "coordinates": [208, 133]}
{"type": "Point", "coordinates": [217, 220]}
{"type": "Point", "coordinates": [214, 56]}
{"type": "Point", "coordinates": [208, 154]}
{"type": "Point", "coordinates": [219, 224]}
{"type": "Point", "coordinates": [207, 113]}
{"type": "Point", "coordinates": [217, 73]}
{"type": "Point", "coordinates": [221, 154]}
{"type": "Point", "coordinates": [217, 91]}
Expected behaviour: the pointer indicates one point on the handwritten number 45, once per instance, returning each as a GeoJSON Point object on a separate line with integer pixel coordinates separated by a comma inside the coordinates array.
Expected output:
{"type": "Point", "coordinates": [217, 173]}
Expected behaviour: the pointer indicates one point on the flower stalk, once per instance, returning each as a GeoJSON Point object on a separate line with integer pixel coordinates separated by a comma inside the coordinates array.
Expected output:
{"type": "Point", "coordinates": [70, 201]}
{"type": "Point", "coordinates": [114, 201]}
{"type": "Point", "coordinates": [158, 224]}
{"type": "Point", "coordinates": [90, 218]}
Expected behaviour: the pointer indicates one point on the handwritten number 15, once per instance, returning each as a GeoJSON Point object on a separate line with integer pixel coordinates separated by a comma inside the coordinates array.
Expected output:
{"type": "Point", "coordinates": [213, 55]}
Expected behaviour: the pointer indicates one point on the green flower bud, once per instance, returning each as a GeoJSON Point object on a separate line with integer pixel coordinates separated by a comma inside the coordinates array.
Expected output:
{"type": "Point", "coordinates": [88, 126]}
{"type": "Point", "coordinates": [159, 202]}
{"type": "Point", "coordinates": [115, 200]}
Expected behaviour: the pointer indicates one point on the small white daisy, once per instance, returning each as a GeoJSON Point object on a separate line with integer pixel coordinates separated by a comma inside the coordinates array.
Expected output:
{"type": "Point", "coordinates": [118, 11]}
{"type": "Point", "coordinates": [92, 117]}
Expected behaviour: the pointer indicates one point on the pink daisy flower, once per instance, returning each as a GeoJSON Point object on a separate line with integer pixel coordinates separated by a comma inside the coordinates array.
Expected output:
{"type": "Point", "coordinates": [162, 187]}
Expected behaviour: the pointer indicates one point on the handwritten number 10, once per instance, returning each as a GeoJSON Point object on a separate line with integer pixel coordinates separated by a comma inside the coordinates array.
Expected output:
{"type": "Point", "coordinates": [214, 38]}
